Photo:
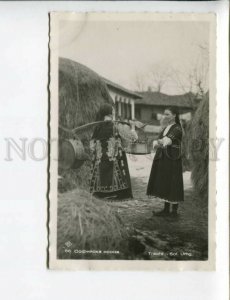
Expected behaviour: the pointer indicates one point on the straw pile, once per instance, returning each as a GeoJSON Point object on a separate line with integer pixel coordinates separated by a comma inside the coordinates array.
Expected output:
{"type": "Point", "coordinates": [85, 223]}
{"type": "Point", "coordinates": [199, 147]}
{"type": "Point", "coordinates": [81, 92]}
{"type": "Point", "coordinates": [185, 146]}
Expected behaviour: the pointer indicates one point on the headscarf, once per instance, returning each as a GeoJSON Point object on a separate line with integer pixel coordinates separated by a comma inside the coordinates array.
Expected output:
{"type": "Point", "coordinates": [104, 110]}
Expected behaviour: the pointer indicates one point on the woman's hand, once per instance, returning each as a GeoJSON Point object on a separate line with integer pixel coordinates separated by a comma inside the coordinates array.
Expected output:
{"type": "Point", "coordinates": [157, 143]}
{"type": "Point", "coordinates": [161, 142]}
{"type": "Point", "coordinates": [154, 144]}
{"type": "Point", "coordinates": [166, 141]}
{"type": "Point", "coordinates": [132, 125]}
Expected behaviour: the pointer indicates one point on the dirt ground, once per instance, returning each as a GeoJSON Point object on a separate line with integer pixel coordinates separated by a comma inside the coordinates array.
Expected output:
{"type": "Point", "coordinates": [150, 237]}
{"type": "Point", "coordinates": [181, 238]}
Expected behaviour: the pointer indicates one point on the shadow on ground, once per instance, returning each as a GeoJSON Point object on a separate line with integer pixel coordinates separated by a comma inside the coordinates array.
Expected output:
{"type": "Point", "coordinates": [166, 238]}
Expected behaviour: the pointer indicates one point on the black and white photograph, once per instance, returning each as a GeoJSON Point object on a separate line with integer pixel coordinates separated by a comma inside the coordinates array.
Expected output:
{"type": "Point", "coordinates": [132, 125]}
{"type": "Point", "coordinates": [114, 150]}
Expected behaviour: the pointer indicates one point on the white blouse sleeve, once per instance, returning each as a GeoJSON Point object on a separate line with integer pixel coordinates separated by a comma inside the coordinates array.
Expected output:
{"type": "Point", "coordinates": [166, 141]}
{"type": "Point", "coordinates": [127, 133]}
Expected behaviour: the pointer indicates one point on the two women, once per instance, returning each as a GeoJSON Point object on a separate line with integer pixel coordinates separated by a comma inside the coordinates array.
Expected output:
{"type": "Point", "coordinates": [110, 176]}
{"type": "Point", "coordinates": [166, 179]}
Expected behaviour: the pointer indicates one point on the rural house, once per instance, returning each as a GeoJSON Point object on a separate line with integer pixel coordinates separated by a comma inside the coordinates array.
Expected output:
{"type": "Point", "coordinates": [123, 98]}
{"type": "Point", "coordinates": [151, 106]}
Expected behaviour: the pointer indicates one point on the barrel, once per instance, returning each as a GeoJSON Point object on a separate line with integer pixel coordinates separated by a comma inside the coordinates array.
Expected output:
{"type": "Point", "coordinates": [71, 154]}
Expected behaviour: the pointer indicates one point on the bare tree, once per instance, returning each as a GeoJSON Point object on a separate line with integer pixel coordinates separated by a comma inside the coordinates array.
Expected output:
{"type": "Point", "coordinates": [153, 79]}
{"type": "Point", "coordinates": [201, 71]}
{"type": "Point", "coordinates": [195, 78]}
{"type": "Point", "coordinates": [139, 82]}
{"type": "Point", "coordinates": [159, 76]}
{"type": "Point", "coordinates": [192, 79]}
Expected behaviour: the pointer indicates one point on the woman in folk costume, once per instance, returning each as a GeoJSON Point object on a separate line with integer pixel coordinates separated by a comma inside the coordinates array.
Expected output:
{"type": "Point", "coordinates": [110, 176]}
{"type": "Point", "coordinates": [166, 177]}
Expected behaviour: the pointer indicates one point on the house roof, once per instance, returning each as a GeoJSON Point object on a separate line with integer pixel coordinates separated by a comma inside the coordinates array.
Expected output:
{"type": "Point", "coordinates": [118, 88]}
{"type": "Point", "coordinates": [155, 98]}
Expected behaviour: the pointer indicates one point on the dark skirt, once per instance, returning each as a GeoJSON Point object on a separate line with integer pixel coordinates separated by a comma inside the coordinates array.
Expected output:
{"type": "Point", "coordinates": [111, 178]}
{"type": "Point", "coordinates": [166, 177]}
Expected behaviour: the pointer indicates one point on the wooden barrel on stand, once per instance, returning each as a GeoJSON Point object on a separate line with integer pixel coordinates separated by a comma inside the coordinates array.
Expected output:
{"type": "Point", "coordinates": [71, 154]}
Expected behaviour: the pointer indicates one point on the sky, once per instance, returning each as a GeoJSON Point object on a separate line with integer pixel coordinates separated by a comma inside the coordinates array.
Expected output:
{"type": "Point", "coordinates": [129, 52]}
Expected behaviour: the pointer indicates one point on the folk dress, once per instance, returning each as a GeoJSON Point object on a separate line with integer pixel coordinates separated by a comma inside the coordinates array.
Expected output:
{"type": "Point", "coordinates": [109, 169]}
{"type": "Point", "coordinates": [166, 177]}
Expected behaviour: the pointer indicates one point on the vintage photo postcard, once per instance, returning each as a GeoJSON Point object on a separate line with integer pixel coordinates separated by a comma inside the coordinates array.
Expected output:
{"type": "Point", "coordinates": [132, 141]}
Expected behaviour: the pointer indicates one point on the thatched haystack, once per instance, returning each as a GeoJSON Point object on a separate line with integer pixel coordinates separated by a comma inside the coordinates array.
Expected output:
{"type": "Point", "coordinates": [81, 92]}
{"type": "Point", "coordinates": [88, 224]}
{"type": "Point", "coordinates": [199, 147]}
{"type": "Point", "coordinates": [185, 147]}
